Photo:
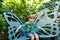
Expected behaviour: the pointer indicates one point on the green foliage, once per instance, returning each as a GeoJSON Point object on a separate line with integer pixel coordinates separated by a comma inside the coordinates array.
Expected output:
{"type": "Point", "coordinates": [1, 23]}
{"type": "Point", "coordinates": [22, 8]}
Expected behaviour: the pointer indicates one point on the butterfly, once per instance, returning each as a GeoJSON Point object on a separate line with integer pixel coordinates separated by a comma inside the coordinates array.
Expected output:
{"type": "Point", "coordinates": [43, 19]}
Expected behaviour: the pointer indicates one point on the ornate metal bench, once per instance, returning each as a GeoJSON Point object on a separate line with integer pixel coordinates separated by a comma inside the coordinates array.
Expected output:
{"type": "Point", "coordinates": [42, 20]}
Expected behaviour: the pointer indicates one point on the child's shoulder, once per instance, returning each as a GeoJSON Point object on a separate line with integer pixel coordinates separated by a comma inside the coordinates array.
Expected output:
{"type": "Point", "coordinates": [27, 22]}
{"type": "Point", "coordinates": [34, 22]}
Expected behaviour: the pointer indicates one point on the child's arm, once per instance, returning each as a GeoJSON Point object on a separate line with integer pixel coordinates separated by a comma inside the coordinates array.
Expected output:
{"type": "Point", "coordinates": [42, 29]}
{"type": "Point", "coordinates": [21, 26]}
{"type": "Point", "coordinates": [18, 29]}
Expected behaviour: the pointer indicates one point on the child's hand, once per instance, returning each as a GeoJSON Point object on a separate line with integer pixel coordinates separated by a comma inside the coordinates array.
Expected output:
{"type": "Point", "coordinates": [16, 31]}
{"type": "Point", "coordinates": [42, 29]}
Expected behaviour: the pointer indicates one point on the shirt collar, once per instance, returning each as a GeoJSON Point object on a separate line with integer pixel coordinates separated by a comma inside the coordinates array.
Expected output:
{"type": "Point", "coordinates": [29, 23]}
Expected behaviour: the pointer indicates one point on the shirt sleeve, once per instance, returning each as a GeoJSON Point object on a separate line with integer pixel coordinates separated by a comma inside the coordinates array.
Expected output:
{"type": "Point", "coordinates": [36, 25]}
{"type": "Point", "coordinates": [24, 24]}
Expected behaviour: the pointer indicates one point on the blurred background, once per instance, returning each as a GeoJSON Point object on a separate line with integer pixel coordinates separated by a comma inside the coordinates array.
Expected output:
{"type": "Point", "coordinates": [22, 8]}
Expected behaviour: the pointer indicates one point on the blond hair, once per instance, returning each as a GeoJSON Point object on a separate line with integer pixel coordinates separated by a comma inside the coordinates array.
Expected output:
{"type": "Point", "coordinates": [31, 16]}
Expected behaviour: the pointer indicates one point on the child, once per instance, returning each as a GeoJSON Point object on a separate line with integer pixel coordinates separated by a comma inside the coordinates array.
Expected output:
{"type": "Point", "coordinates": [30, 27]}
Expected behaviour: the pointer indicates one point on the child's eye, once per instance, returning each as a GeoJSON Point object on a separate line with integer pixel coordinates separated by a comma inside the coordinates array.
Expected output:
{"type": "Point", "coordinates": [31, 18]}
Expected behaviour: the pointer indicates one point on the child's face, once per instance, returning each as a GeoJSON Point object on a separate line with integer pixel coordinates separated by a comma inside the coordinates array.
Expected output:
{"type": "Point", "coordinates": [31, 20]}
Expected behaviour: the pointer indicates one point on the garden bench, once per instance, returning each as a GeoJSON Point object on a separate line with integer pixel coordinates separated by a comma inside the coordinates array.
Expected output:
{"type": "Point", "coordinates": [14, 22]}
